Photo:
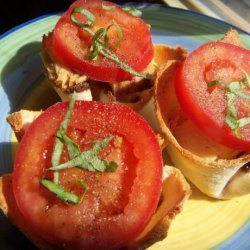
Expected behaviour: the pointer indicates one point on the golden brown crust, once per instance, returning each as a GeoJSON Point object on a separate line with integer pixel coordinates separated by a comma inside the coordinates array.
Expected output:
{"type": "Point", "coordinates": [19, 121]}
{"type": "Point", "coordinates": [60, 77]}
{"type": "Point", "coordinates": [164, 53]}
{"type": "Point", "coordinates": [175, 192]}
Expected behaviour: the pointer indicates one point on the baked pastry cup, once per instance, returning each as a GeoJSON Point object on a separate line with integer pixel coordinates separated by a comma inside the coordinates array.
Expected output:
{"type": "Point", "coordinates": [216, 170]}
{"type": "Point", "coordinates": [135, 93]}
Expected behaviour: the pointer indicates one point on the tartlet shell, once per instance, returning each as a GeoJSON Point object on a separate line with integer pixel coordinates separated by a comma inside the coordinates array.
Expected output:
{"type": "Point", "coordinates": [212, 178]}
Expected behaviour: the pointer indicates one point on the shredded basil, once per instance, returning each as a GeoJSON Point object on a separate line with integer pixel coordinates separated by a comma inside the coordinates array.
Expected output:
{"type": "Point", "coordinates": [233, 90]}
{"type": "Point", "coordinates": [99, 45]}
{"type": "Point", "coordinates": [107, 7]}
{"type": "Point", "coordinates": [96, 46]}
{"type": "Point", "coordinates": [91, 18]}
{"type": "Point", "coordinates": [89, 159]}
{"type": "Point", "coordinates": [120, 36]}
{"type": "Point", "coordinates": [243, 122]}
{"type": "Point", "coordinates": [237, 87]}
{"type": "Point", "coordinates": [241, 94]}
{"type": "Point", "coordinates": [85, 188]}
{"type": "Point", "coordinates": [72, 147]}
{"type": "Point", "coordinates": [231, 106]}
{"type": "Point", "coordinates": [67, 197]}
{"type": "Point", "coordinates": [246, 79]}
{"type": "Point", "coordinates": [231, 120]}
{"type": "Point", "coordinates": [122, 65]}
{"type": "Point", "coordinates": [132, 10]}
{"type": "Point", "coordinates": [58, 146]}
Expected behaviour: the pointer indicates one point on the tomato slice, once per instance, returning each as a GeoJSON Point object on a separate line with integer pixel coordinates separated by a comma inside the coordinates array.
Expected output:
{"type": "Point", "coordinates": [117, 205]}
{"type": "Point", "coordinates": [71, 44]}
{"type": "Point", "coordinates": [208, 107]}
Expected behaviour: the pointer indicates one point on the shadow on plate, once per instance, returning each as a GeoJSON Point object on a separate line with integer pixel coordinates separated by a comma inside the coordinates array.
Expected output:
{"type": "Point", "coordinates": [11, 238]}
{"type": "Point", "coordinates": [7, 152]}
{"type": "Point", "coordinates": [21, 73]}
{"type": "Point", "coordinates": [198, 195]}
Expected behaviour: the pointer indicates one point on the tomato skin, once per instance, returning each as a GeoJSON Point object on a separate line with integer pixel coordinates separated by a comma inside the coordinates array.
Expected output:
{"type": "Point", "coordinates": [61, 224]}
{"type": "Point", "coordinates": [212, 61]}
{"type": "Point", "coordinates": [71, 44]}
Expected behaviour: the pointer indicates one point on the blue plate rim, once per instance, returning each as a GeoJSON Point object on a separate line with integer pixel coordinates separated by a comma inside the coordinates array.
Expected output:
{"type": "Point", "coordinates": [245, 227]}
{"type": "Point", "coordinates": [138, 5]}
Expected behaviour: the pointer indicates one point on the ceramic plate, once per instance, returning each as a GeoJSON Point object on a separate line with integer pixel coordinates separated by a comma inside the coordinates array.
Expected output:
{"type": "Point", "coordinates": [205, 223]}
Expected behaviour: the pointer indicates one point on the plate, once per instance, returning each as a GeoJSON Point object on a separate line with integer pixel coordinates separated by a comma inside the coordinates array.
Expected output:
{"type": "Point", "coordinates": [204, 223]}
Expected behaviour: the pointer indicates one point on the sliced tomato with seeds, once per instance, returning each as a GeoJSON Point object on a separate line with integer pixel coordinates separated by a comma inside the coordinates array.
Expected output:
{"type": "Point", "coordinates": [71, 44]}
{"type": "Point", "coordinates": [209, 86]}
{"type": "Point", "coordinates": [117, 205]}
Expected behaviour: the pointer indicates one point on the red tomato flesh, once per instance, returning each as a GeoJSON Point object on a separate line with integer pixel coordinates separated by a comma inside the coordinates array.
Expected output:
{"type": "Point", "coordinates": [117, 205]}
{"type": "Point", "coordinates": [205, 106]}
{"type": "Point", "coordinates": [71, 44]}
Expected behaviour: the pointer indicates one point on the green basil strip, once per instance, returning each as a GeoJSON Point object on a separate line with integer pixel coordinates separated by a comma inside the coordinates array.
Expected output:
{"type": "Point", "coordinates": [107, 7]}
{"type": "Point", "coordinates": [237, 89]}
{"type": "Point", "coordinates": [233, 90]}
{"type": "Point", "coordinates": [243, 122]}
{"type": "Point", "coordinates": [89, 159]}
{"type": "Point", "coordinates": [122, 65]}
{"type": "Point", "coordinates": [99, 34]}
{"type": "Point", "coordinates": [231, 115]}
{"type": "Point", "coordinates": [242, 94]}
{"type": "Point", "coordinates": [66, 121]}
{"type": "Point", "coordinates": [62, 129]}
{"type": "Point", "coordinates": [63, 195]}
{"type": "Point", "coordinates": [95, 50]}
{"type": "Point", "coordinates": [60, 192]}
{"type": "Point", "coordinates": [234, 86]}
{"type": "Point", "coordinates": [85, 188]}
{"type": "Point", "coordinates": [231, 121]}
{"type": "Point", "coordinates": [72, 147]}
{"type": "Point", "coordinates": [91, 18]}
{"type": "Point", "coordinates": [120, 36]}
{"type": "Point", "coordinates": [111, 166]}
{"type": "Point", "coordinates": [96, 46]}
{"type": "Point", "coordinates": [58, 146]}
{"type": "Point", "coordinates": [247, 79]}
{"type": "Point", "coordinates": [132, 10]}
